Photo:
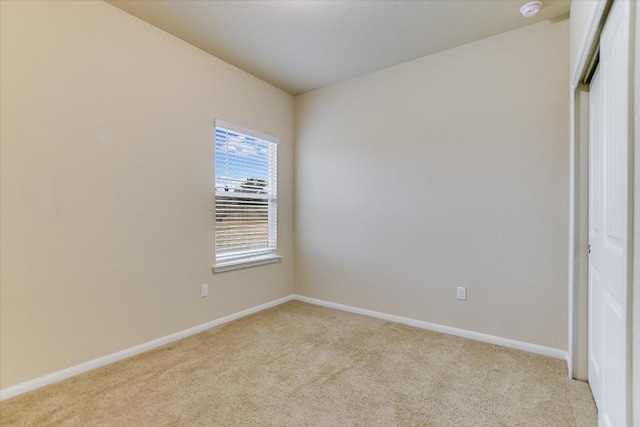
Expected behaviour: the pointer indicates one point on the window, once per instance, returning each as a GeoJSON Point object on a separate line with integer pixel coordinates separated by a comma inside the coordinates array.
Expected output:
{"type": "Point", "coordinates": [246, 197]}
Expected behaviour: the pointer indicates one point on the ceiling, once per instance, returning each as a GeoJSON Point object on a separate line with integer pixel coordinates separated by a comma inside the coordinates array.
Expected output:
{"type": "Point", "coordinates": [301, 45]}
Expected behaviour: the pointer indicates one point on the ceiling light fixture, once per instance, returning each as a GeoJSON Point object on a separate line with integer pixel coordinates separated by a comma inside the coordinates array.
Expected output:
{"type": "Point", "coordinates": [531, 9]}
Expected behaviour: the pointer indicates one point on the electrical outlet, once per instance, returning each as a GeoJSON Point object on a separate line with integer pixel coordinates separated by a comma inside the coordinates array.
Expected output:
{"type": "Point", "coordinates": [462, 293]}
{"type": "Point", "coordinates": [204, 290]}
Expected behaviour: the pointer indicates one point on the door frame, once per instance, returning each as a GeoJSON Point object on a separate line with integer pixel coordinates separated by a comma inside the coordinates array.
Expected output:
{"type": "Point", "coordinates": [577, 355]}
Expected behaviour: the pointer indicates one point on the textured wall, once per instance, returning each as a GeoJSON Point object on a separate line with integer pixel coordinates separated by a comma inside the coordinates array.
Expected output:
{"type": "Point", "coordinates": [107, 185]}
{"type": "Point", "coordinates": [445, 171]}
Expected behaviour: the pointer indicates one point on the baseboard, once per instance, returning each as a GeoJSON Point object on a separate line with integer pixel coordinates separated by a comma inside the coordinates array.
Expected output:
{"type": "Point", "coordinates": [35, 383]}
{"type": "Point", "coordinates": [54, 377]}
{"type": "Point", "coordinates": [491, 339]}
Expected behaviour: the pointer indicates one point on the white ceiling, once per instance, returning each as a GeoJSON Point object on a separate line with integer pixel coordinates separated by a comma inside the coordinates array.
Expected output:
{"type": "Point", "coordinates": [300, 45]}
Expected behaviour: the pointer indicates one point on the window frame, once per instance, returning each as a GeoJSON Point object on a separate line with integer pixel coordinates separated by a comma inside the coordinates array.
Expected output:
{"type": "Point", "coordinates": [248, 257]}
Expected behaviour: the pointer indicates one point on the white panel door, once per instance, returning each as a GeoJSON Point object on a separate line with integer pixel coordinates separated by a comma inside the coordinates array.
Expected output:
{"type": "Point", "coordinates": [596, 163]}
{"type": "Point", "coordinates": [609, 221]}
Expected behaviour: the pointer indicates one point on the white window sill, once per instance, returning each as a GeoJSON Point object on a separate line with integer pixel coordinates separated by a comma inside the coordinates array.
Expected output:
{"type": "Point", "coordinates": [245, 262]}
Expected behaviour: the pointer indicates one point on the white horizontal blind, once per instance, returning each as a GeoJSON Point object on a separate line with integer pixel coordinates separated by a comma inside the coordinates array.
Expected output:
{"type": "Point", "coordinates": [246, 194]}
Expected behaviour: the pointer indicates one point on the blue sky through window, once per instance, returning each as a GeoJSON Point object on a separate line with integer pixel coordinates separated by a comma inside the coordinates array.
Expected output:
{"type": "Point", "coordinates": [239, 158]}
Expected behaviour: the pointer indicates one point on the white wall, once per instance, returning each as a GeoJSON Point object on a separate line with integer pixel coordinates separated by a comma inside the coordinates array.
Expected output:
{"type": "Point", "coordinates": [445, 171]}
{"type": "Point", "coordinates": [107, 184]}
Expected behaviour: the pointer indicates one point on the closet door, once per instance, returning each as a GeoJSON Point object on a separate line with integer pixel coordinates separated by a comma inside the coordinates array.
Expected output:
{"type": "Point", "coordinates": [609, 221]}
{"type": "Point", "coordinates": [596, 207]}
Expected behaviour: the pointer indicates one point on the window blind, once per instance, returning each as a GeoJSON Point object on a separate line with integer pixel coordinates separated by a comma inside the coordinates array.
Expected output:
{"type": "Point", "coordinates": [245, 194]}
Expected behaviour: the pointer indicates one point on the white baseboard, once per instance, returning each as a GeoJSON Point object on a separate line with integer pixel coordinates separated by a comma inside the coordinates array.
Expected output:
{"type": "Point", "coordinates": [477, 336]}
{"type": "Point", "coordinates": [35, 383]}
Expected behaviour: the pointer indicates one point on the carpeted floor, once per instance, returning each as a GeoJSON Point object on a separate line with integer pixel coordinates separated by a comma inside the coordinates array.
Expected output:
{"type": "Point", "coordinates": [303, 365]}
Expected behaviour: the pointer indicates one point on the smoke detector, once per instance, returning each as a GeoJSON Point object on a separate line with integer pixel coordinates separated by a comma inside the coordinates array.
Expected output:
{"type": "Point", "coordinates": [531, 9]}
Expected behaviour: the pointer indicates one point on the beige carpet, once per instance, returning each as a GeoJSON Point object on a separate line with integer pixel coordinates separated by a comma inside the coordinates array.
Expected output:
{"type": "Point", "coordinates": [303, 365]}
